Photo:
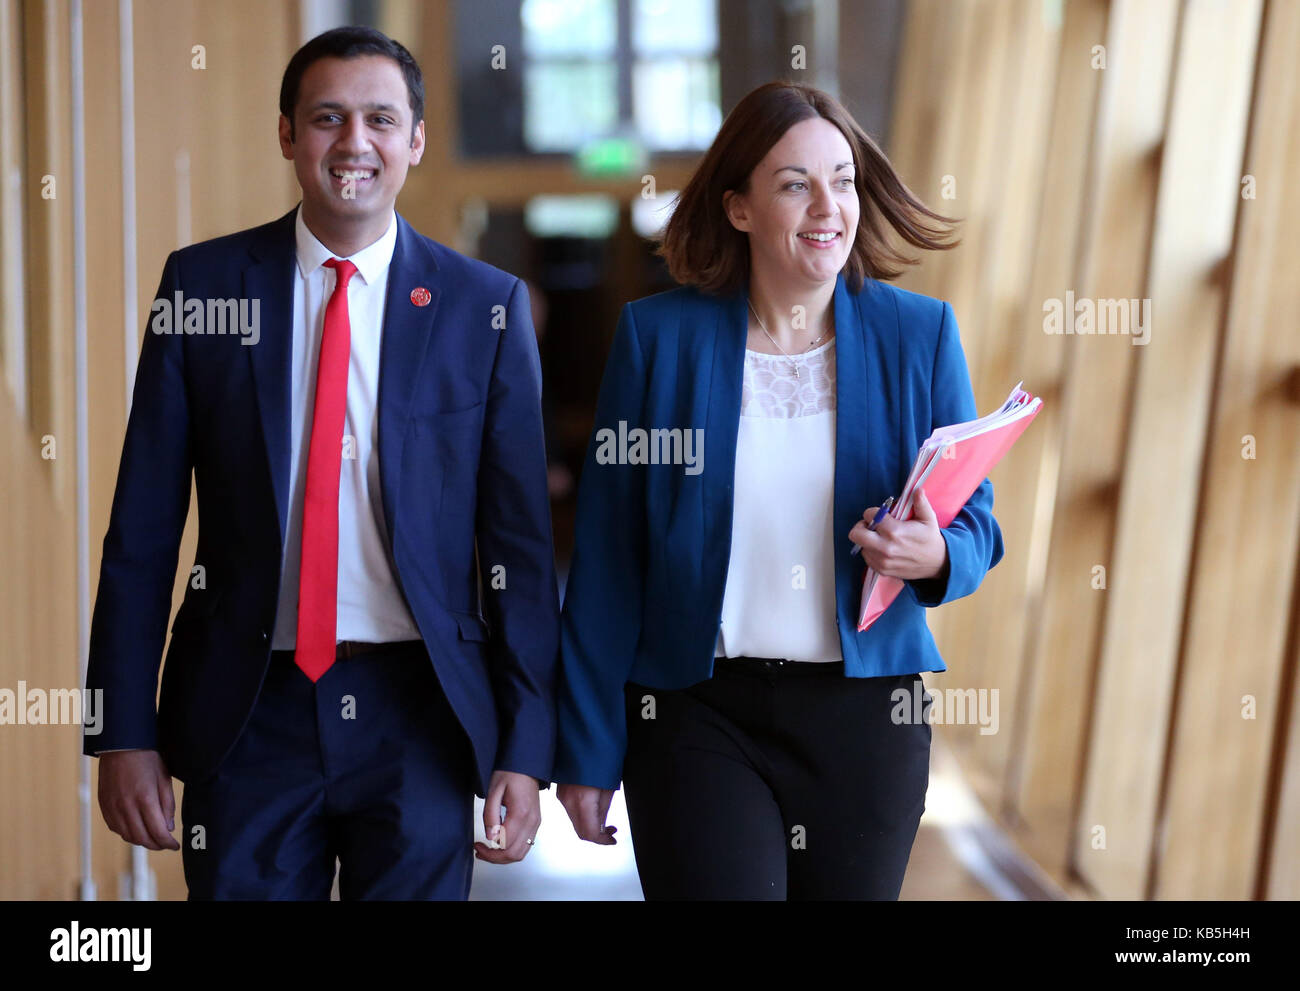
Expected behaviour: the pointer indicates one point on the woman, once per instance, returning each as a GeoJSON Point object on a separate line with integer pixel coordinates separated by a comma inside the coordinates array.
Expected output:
{"type": "Point", "coordinates": [710, 657]}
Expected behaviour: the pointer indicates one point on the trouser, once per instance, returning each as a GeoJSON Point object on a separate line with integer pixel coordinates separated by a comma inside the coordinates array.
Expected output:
{"type": "Point", "coordinates": [776, 780]}
{"type": "Point", "coordinates": [368, 765]}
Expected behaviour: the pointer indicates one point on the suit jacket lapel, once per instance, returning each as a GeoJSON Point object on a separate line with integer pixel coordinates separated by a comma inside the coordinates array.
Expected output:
{"type": "Point", "coordinates": [270, 280]}
{"type": "Point", "coordinates": [404, 343]}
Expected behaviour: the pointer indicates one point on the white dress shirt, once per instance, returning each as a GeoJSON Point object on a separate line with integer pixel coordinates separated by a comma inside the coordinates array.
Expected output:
{"type": "Point", "coordinates": [371, 606]}
{"type": "Point", "coordinates": [779, 600]}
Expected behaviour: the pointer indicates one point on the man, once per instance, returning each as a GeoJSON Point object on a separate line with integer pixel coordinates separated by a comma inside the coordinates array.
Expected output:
{"type": "Point", "coordinates": [370, 468]}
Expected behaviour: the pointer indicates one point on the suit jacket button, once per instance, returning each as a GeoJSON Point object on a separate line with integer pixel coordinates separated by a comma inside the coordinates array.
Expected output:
{"type": "Point", "coordinates": [265, 636]}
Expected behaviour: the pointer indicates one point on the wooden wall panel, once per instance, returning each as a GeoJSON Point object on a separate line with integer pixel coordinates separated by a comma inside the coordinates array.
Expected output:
{"type": "Point", "coordinates": [1155, 523]}
{"type": "Point", "coordinates": [38, 764]}
{"type": "Point", "coordinates": [105, 333]}
{"type": "Point", "coordinates": [1239, 610]}
{"type": "Point", "coordinates": [1280, 867]}
{"type": "Point", "coordinates": [1045, 715]}
{"type": "Point", "coordinates": [928, 39]}
{"type": "Point", "coordinates": [1116, 241]}
{"type": "Point", "coordinates": [49, 230]}
{"type": "Point", "coordinates": [956, 175]}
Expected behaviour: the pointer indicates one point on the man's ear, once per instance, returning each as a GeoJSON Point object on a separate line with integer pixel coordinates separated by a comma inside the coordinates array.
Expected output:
{"type": "Point", "coordinates": [286, 139]}
{"type": "Point", "coordinates": [417, 144]}
{"type": "Point", "coordinates": [733, 204]}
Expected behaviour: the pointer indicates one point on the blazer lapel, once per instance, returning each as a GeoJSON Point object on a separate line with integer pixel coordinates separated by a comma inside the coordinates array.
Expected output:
{"type": "Point", "coordinates": [726, 377]}
{"type": "Point", "coordinates": [270, 280]}
{"type": "Point", "coordinates": [867, 415]}
{"type": "Point", "coordinates": [403, 345]}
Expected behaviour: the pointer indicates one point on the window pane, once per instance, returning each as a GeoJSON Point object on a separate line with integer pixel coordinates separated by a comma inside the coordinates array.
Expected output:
{"type": "Point", "coordinates": [566, 104]}
{"type": "Point", "coordinates": [676, 102]}
{"type": "Point", "coordinates": [569, 27]}
{"type": "Point", "coordinates": [683, 27]}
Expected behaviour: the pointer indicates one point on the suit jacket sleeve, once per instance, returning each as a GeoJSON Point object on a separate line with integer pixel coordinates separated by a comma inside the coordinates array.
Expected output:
{"type": "Point", "coordinates": [973, 538]}
{"type": "Point", "coordinates": [516, 554]}
{"type": "Point", "coordinates": [601, 622]}
{"type": "Point", "coordinates": [138, 567]}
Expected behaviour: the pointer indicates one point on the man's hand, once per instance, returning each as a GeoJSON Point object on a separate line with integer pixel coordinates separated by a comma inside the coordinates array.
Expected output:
{"type": "Point", "coordinates": [587, 807]}
{"type": "Point", "coordinates": [520, 794]}
{"type": "Point", "coordinates": [907, 549]}
{"type": "Point", "coordinates": [137, 799]}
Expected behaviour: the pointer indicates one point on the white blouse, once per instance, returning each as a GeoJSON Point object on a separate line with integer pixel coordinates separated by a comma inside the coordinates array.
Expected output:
{"type": "Point", "coordinates": [780, 594]}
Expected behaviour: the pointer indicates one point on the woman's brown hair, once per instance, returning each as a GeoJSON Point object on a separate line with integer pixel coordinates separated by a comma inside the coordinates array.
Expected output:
{"type": "Point", "coordinates": [703, 249]}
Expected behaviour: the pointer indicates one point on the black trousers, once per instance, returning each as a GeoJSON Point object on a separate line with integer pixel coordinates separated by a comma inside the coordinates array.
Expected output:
{"type": "Point", "coordinates": [776, 780]}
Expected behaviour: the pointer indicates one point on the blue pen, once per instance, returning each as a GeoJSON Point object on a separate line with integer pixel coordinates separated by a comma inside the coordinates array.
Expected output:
{"type": "Point", "coordinates": [880, 515]}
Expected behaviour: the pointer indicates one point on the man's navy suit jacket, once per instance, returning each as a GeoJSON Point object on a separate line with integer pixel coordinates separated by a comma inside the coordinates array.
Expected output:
{"type": "Point", "coordinates": [463, 479]}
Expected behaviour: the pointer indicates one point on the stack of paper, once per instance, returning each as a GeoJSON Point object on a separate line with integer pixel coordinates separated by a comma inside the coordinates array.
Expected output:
{"type": "Point", "coordinates": [950, 466]}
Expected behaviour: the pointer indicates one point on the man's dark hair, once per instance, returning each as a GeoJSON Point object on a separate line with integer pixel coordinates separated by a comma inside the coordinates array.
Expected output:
{"type": "Point", "coordinates": [351, 42]}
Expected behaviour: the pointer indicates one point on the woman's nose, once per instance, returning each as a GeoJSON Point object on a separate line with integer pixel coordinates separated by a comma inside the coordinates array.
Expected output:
{"type": "Point", "coordinates": [823, 204]}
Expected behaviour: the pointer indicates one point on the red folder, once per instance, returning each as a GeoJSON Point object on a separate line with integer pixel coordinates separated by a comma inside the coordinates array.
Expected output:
{"type": "Point", "coordinates": [950, 466]}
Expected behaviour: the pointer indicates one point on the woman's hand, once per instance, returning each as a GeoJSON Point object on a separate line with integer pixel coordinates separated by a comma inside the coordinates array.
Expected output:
{"type": "Point", "coordinates": [906, 549]}
{"type": "Point", "coordinates": [587, 807]}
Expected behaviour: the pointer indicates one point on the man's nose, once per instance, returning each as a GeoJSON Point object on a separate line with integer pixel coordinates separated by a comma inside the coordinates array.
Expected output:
{"type": "Point", "coordinates": [354, 134]}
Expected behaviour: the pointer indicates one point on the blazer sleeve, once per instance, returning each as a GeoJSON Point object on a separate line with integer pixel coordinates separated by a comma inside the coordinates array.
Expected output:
{"type": "Point", "coordinates": [138, 567]}
{"type": "Point", "coordinates": [514, 530]}
{"type": "Point", "coordinates": [973, 538]}
{"type": "Point", "coordinates": [600, 625]}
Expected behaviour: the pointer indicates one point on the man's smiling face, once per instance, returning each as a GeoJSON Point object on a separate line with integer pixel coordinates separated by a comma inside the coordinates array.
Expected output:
{"type": "Point", "coordinates": [351, 143]}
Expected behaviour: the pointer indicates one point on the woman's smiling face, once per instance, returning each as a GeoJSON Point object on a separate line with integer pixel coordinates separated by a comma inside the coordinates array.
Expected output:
{"type": "Point", "coordinates": [800, 207]}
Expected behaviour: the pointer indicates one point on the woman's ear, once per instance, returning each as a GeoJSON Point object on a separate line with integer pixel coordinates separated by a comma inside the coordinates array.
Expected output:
{"type": "Point", "coordinates": [733, 203]}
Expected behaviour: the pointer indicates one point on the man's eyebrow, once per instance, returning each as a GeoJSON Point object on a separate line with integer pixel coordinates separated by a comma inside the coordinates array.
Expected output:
{"type": "Point", "coordinates": [334, 105]}
{"type": "Point", "coordinates": [803, 171]}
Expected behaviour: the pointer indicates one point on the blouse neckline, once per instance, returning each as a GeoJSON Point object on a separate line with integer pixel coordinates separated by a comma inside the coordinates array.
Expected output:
{"type": "Point", "coordinates": [793, 357]}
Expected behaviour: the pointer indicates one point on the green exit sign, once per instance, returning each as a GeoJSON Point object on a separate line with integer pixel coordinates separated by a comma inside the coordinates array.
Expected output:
{"type": "Point", "coordinates": [611, 158]}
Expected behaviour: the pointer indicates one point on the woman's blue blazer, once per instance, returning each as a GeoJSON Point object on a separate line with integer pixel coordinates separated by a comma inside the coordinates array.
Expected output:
{"type": "Point", "coordinates": [643, 600]}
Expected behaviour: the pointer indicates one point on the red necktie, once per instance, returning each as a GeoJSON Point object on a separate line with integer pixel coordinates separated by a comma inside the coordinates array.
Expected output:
{"type": "Point", "coordinates": [318, 579]}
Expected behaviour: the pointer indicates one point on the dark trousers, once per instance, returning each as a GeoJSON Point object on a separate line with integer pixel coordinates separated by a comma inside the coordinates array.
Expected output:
{"type": "Point", "coordinates": [775, 780]}
{"type": "Point", "coordinates": [369, 765]}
